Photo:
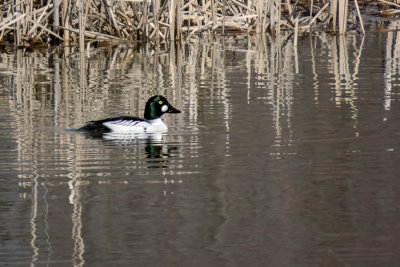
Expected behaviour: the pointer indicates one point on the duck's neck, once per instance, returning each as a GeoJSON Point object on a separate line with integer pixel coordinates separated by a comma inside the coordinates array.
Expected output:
{"type": "Point", "coordinates": [150, 112]}
{"type": "Point", "coordinates": [156, 121]}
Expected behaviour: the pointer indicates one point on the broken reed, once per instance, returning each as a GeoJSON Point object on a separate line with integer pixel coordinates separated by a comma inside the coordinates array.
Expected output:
{"type": "Point", "coordinates": [37, 22]}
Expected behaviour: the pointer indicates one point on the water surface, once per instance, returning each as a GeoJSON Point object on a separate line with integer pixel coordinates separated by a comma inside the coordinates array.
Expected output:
{"type": "Point", "coordinates": [283, 156]}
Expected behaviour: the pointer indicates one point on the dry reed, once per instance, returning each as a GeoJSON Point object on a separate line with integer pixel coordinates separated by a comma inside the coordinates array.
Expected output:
{"type": "Point", "coordinates": [28, 23]}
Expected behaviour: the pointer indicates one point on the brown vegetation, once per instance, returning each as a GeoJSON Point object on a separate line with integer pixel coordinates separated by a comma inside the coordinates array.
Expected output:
{"type": "Point", "coordinates": [30, 23]}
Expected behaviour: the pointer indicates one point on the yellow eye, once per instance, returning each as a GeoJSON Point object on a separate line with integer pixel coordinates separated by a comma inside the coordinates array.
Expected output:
{"type": "Point", "coordinates": [160, 102]}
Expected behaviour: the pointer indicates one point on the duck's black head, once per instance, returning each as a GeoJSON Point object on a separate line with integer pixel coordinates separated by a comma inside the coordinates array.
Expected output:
{"type": "Point", "coordinates": [156, 106]}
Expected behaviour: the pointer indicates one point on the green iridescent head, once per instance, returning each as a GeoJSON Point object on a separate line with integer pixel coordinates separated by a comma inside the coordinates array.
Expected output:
{"type": "Point", "coordinates": [156, 106]}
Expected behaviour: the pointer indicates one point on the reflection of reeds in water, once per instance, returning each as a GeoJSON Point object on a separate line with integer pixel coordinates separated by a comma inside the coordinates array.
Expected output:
{"type": "Point", "coordinates": [70, 91]}
{"type": "Point", "coordinates": [76, 200]}
{"type": "Point", "coordinates": [205, 73]}
{"type": "Point", "coordinates": [92, 96]}
{"type": "Point", "coordinates": [274, 60]}
{"type": "Point", "coordinates": [77, 91]}
{"type": "Point", "coordinates": [344, 71]}
{"type": "Point", "coordinates": [275, 64]}
{"type": "Point", "coordinates": [392, 65]}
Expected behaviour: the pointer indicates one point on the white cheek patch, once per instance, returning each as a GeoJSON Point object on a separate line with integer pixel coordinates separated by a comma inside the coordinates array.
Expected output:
{"type": "Point", "coordinates": [164, 108]}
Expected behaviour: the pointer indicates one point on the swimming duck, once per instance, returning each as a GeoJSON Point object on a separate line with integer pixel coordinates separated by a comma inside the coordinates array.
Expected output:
{"type": "Point", "coordinates": [156, 106]}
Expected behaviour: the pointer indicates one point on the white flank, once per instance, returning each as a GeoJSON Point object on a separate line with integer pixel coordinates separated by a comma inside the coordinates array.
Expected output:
{"type": "Point", "coordinates": [128, 126]}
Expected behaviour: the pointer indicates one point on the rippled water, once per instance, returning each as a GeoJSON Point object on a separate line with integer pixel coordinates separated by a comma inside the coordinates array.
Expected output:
{"type": "Point", "coordinates": [281, 157]}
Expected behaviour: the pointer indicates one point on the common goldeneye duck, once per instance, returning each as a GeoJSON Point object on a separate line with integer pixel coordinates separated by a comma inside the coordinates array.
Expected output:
{"type": "Point", "coordinates": [156, 106]}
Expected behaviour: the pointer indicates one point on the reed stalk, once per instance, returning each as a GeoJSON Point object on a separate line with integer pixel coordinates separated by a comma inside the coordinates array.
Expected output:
{"type": "Point", "coordinates": [213, 13]}
{"type": "Point", "coordinates": [56, 15]}
{"type": "Point", "coordinates": [178, 20]}
{"type": "Point", "coordinates": [172, 19]}
{"type": "Point", "coordinates": [296, 32]}
{"type": "Point", "coordinates": [156, 5]}
{"type": "Point", "coordinates": [81, 26]}
{"type": "Point", "coordinates": [359, 16]}
{"type": "Point", "coordinates": [66, 21]}
{"type": "Point", "coordinates": [161, 21]}
{"type": "Point", "coordinates": [342, 16]}
{"type": "Point", "coordinates": [318, 14]}
{"type": "Point", "coordinates": [333, 13]}
{"type": "Point", "coordinates": [278, 15]}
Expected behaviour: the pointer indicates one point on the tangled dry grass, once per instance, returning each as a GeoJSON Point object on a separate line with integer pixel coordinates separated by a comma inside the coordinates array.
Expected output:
{"type": "Point", "coordinates": [31, 23]}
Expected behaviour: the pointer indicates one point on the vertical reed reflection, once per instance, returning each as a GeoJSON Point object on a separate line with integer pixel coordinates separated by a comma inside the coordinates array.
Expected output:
{"type": "Point", "coordinates": [75, 199]}
{"type": "Point", "coordinates": [392, 69]}
{"type": "Point", "coordinates": [275, 69]}
{"type": "Point", "coordinates": [346, 85]}
{"type": "Point", "coordinates": [53, 92]}
{"type": "Point", "coordinates": [66, 91]}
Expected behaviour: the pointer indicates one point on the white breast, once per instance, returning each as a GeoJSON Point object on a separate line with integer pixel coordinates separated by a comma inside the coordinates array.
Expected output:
{"type": "Point", "coordinates": [129, 126]}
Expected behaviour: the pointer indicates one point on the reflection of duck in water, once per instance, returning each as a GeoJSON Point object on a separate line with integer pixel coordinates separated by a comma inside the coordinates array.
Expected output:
{"type": "Point", "coordinates": [158, 155]}
{"type": "Point", "coordinates": [156, 106]}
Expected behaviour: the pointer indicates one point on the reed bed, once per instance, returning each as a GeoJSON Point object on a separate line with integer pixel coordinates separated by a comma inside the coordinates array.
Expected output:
{"type": "Point", "coordinates": [27, 23]}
